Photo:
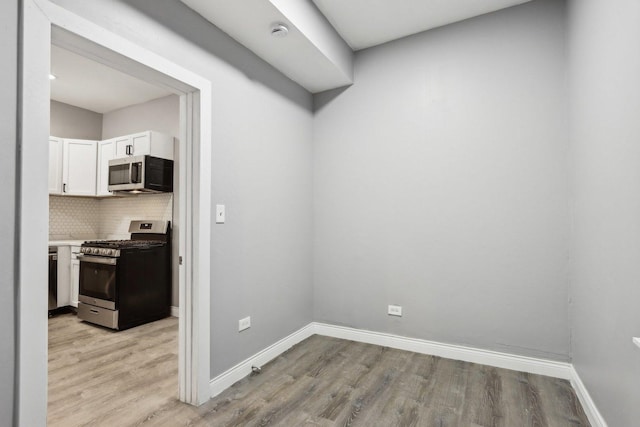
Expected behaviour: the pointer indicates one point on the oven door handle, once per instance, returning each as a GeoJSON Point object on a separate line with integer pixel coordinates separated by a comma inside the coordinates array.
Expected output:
{"type": "Point", "coordinates": [97, 259]}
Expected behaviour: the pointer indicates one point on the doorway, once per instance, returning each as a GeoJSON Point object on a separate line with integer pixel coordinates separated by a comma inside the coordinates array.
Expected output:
{"type": "Point", "coordinates": [45, 23]}
{"type": "Point", "coordinates": [96, 375]}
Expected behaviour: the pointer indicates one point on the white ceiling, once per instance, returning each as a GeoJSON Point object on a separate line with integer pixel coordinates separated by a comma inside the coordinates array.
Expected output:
{"type": "Point", "coordinates": [317, 53]}
{"type": "Point", "coordinates": [90, 85]}
{"type": "Point", "coordinates": [298, 55]}
{"type": "Point", "coordinates": [367, 23]}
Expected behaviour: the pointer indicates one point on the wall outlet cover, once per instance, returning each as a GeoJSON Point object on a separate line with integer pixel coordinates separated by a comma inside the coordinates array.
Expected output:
{"type": "Point", "coordinates": [244, 323]}
{"type": "Point", "coordinates": [395, 310]}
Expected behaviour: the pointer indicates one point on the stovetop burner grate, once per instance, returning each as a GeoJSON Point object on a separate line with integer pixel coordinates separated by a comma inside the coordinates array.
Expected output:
{"type": "Point", "coordinates": [123, 244]}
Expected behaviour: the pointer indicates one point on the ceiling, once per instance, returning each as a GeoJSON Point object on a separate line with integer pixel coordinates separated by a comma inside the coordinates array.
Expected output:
{"type": "Point", "coordinates": [367, 23]}
{"type": "Point", "coordinates": [87, 84]}
{"type": "Point", "coordinates": [318, 51]}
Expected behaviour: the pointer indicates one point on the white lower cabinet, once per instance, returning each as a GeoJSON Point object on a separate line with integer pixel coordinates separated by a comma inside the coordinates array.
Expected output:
{"type": "Point", "coordinates": [64, 276]}
{"type": "Point", "coordinates": [75, 276]}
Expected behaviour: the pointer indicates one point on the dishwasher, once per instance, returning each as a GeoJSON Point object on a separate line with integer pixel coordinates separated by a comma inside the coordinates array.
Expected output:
{"type": "Point", "coordinates": [53, 279]}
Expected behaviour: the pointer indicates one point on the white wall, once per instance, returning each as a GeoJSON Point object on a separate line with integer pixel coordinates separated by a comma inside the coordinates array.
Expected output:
{"type": "Point", "coordinates": [162, 115]}
{"type": "Point", "coordinates": [605, 149]}
{"type": "Point", "coordinates": [261, 167]}
{"type": "Point", "coordinates": [9, 143]}
{"type": "Point", "coordinates": [68, 121]}
{"type": "Point", "coordinates": [440, 185]}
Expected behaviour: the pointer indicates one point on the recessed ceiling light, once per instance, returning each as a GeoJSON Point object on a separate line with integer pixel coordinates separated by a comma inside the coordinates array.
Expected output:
{"type": "Point", "coordinates": [279, 30]}
{"type": "Point", "coordinates": [52, 77]}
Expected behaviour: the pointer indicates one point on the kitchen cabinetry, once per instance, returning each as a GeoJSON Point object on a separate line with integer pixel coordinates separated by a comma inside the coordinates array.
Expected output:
{"type": "Point", "coordinates": [55, 165]}
{"type": "Point", "coordinates": [106, 152]}
{"type": "Point", "coordinates": [79, 167]}
{"type": "Point", "coordinates": [75, 276]}
{"type": "Point", "coordinates": [68, 272]}
{"type": "Point", "coordinates": [64, 264]}
{"type": "Point", "coordinates": [150, 142]}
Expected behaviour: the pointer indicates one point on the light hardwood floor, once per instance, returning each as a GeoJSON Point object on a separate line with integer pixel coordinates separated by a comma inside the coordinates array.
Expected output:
{"type": "Point", "coordinates": [103, 378]}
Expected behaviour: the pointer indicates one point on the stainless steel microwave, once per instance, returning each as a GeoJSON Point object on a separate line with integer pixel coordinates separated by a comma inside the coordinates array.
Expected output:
{"type": "Point", "coordinates": [141, 174]}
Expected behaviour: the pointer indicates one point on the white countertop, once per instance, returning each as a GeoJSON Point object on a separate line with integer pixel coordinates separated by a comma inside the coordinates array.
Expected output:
{"type": "Point", "coordinates": [66, 242]}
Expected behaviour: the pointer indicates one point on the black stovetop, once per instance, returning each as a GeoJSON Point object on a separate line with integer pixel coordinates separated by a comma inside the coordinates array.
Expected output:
{"type": "Point", "coordinates": [123, 244]}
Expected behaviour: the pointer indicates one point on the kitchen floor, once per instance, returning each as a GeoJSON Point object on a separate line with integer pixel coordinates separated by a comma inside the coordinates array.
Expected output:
{"type": "Point", "coordinates": [98, 377]}
{"type": "Point", "coordinates": [102, 378]}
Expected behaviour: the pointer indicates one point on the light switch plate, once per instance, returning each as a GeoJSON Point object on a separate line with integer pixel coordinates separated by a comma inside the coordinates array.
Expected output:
{"type": "Point", "coordinates": [220, 214]}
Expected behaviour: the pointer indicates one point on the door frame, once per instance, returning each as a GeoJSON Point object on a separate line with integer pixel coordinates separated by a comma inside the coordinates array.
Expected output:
{"type": "Point", "coordinates": [44, 22]}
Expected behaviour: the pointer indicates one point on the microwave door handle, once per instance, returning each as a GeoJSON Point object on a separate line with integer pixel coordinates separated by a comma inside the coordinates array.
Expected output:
{"type": "Point", "coordinates": [130, 173]}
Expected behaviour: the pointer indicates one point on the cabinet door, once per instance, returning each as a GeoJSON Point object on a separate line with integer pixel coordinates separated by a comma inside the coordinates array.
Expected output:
{"type": "Point", "coordinates": [106, 152]}
{"type": "Point", "coordinates": [122, 142]}
{"type": "Point", "coordinates": [75, 281]}
{"type": "Point", "coordinates": [79, 167]}
{"type": "Point", "coordinates": [55, 165]}
{"type": "Point", "coordinates": [141, 143]}
{"type": "Point", "coordinates": [64, 275]}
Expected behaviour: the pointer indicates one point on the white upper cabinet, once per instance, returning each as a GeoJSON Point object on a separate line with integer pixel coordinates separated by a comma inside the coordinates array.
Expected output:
{"type": "Point", "coordinates": [150, 142]}
{"type": "Point", "coordinates": [106, 152]}
{"type": "Point", "coordinates": [79, 167]}
{"type": "Point", "coordinates": [55, 165]}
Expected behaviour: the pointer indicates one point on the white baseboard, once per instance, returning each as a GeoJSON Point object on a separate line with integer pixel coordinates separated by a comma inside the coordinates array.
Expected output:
{"type": "Point", "coordinates": [589, 406]}
{"type": "Point", "coordinates": [175, 311]}
{"type": "Point", "coordinates": [468, 354]}
{"type": "Point", "coordinates": [242, 369]}
{"type": "Point", "coordinates": [457, 352]}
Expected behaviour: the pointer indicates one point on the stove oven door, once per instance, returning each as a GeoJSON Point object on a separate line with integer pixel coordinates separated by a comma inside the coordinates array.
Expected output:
{"type": "Point", "coordinates": [98, 281]}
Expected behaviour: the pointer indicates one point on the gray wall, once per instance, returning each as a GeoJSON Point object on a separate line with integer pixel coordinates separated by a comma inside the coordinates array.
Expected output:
{"type": "Point", "coordinates": [162, 115]}
{"type": "Point", "coordinates": [440, 185]}
{"type": "Point", "coordinates": [261, 165]}
{"type": "Point", "coordinates": [605, 148]}
{"type": "Point", "coordinates": [68, 121]}
{"type": "Point", "coordinates": [8, 140]}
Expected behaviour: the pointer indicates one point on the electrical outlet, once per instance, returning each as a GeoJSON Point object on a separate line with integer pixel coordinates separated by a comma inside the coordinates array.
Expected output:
{"type": "Point", "coordinates": [395, 310]}
{"type": "Point", "coordinates": [244, 324]}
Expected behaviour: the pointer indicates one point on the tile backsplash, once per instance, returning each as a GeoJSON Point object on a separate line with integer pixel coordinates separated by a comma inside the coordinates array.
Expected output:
{"type": "Point", "coordinates": [117, 212]}
{"type": "Point", "coordinates": [73, 218]}
{"type": "Point", "coordinates": [109, 218]}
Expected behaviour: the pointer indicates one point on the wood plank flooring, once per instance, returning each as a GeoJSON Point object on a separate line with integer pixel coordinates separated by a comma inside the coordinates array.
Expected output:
{"type": "Point", "coordinates": [129, 378]}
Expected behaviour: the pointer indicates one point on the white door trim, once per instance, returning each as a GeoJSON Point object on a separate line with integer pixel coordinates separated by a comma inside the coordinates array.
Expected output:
{"type": "Point", "coordinates": [39, 17]}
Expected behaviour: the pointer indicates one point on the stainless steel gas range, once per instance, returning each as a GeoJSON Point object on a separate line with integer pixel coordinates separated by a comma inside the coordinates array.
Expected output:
{"type": "Point", "coordinates": [126, 283]}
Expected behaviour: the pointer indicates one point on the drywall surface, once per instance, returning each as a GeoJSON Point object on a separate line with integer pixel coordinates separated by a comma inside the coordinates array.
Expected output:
{"type": "Point", "coordinates": [261, 167]}
{"type": "Point", "coordinates": [440, 185]}
{"type": "Point", "coordinates": [8, 142]}
{"type": "Point", "coordinates": [162, 115]}
{"type": "Point", "coordinates": [605, 149]}
{"type": "Point", "coordinates": [68, 121]}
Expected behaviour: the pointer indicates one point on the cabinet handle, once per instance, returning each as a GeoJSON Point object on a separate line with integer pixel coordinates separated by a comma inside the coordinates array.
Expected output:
{"type": "Point", "coordinates": [64, 188]}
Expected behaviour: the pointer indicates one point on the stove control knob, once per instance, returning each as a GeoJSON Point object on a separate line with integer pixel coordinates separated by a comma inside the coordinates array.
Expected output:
{"type": "Point", "coordinates": [96, 251]}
